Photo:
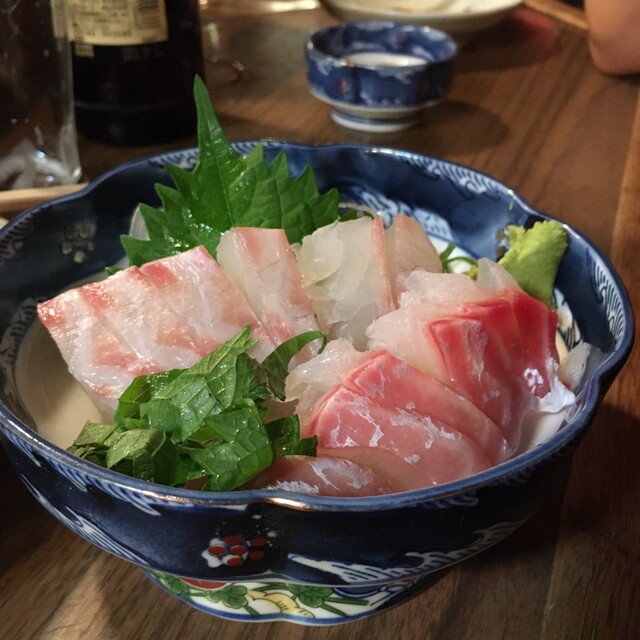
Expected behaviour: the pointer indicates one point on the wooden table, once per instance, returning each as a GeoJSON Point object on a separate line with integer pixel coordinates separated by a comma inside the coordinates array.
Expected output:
{"type": "Point", "coordinates": [529, 108]}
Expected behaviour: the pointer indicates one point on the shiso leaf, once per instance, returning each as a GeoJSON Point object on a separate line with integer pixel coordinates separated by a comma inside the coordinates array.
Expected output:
{"type": "Point", "coordinates": [206, 421]}
{"type": "Point", "coordinates": [225, 190]}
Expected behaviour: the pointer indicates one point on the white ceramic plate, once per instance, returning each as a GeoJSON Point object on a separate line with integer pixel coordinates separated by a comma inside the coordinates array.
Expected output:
{"type": "Point", "coordinates": [459, 18]}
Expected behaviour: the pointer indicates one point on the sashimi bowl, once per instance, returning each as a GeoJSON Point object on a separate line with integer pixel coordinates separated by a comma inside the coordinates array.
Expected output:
{"type": "Point", "coordinates": [276, 554]}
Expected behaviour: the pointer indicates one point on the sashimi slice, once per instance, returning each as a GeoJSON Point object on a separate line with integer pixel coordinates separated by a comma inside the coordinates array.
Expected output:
{"type": "Point", "coordinates": [397, 473]}
{"type": "Point", "coordinates": [403, 333]}
{"type": "Point", "coordinates": [494, 277]}
{"type": "Point", "coordinates": [142, 321]}
{"type": "Point", "coordinates": [263, 266]}
{"type": "Point", "coordinates": [442, 288]}
{"type": "Point", "coordinates": [478, 373]}
{"type": "Point", "coordinates": [344, 269]}
{"type": "Point", "coordinates": [538, 341]}
{"type": "Point", "coordinates": [129, 302]}
{"type": "Point", "coordinates": [496, 348]}
{"type": "Point", "coordinates": [436, 452]}
{"type": "Point", "coordinates": [392, 383]}
{"type": "Point", "coordinates": [309, 381]}
{"type": "Point", "coordinates": [95, 352]}
{"type": "Point", "coordinates": [194, 286]}
{"type": "Point", "coordinates": [324, 475]}
{"type": "Point", "coordinates": [408, 248]}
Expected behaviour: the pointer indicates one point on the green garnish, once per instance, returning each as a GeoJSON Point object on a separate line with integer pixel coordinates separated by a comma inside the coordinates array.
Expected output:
{"type": "Point", "coordinates": [534, 257]}
{"type": "Point", "coordinates": [448, 260]}
{"type": "Point", "coordinates": [205, 422]}
{"type": "Point", "coordinates": [227, 190]}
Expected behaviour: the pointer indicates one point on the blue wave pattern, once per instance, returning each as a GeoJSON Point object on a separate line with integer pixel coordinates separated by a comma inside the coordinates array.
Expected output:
{"type": "Point", "coordinates": [354, 573]}
{"type": "Point", "coordinates": [22, 446]}
{"type": "Point", "coordinates": [13, 239]}
{"type": "Point", "coordinates": [607, 295]}
{"type": "Point", "coordinates": [10, 343]}
{"type": "Point", "coordinates": [84, 528]}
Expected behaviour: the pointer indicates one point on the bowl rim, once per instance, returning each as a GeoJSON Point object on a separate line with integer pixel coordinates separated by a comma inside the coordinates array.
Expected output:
{"type": "Point", "coordinates": [340, 61]}
{"type": "Point", "coordinates": [525, 462]}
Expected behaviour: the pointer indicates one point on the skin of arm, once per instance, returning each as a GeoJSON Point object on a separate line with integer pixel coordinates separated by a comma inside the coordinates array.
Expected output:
{"type": "Point", "coordinates": [614, 35]}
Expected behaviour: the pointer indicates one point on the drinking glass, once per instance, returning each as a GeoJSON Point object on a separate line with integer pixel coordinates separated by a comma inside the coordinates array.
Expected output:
{"type": "Point", "coordinates": [38, 143]}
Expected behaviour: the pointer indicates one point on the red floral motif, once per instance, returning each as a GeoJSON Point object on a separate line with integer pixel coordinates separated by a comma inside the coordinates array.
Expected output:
{"type": "Point", "coordinates": [235, 550]}
{"type": "Point", "coordinates": [203, 584]}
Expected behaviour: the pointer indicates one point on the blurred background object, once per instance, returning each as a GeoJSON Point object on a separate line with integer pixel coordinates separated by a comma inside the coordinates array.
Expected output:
{"type": "Point", "coordinates": [38, 146]}
{"type": "Point", "coordinates": [134, 63]}
{"type": "Point", "coordinates": [462, 19]}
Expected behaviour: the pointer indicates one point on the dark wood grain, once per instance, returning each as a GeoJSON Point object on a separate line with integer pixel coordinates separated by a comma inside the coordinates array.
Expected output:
{"type": "Point", "coordinates": [529, 108]}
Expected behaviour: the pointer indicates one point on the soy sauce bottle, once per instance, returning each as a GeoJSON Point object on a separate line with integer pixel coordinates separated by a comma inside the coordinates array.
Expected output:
{"type": "Point", "coordinates": [134, 63]}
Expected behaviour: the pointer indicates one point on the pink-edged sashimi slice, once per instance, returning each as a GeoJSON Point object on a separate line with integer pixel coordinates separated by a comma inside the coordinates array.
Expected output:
{"type": "Point", "coordinates": [408, 248]}
{"type": "Point", "coordinates": [309, 381]}
{"type": "Point", "coordinates": [324, 475]}
{"type": "Point", "coordinates": [436, 452]}
{"type": "Point", "coordinates": [196, 288]}
{"type": "Point", "coordinates": [263, 266]}
{"type": "Point", "coordinates": [392, 383]}
{"type": "Point", "coordinates": [143, 327]}
{"type": "Point", "coordinates": [345, 271]}
{"type": "Point", "coordinates": [98, 356]}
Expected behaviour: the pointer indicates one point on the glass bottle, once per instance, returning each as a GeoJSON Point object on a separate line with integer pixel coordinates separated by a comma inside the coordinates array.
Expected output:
{"type": "Point", "coordinates": [134, 62]}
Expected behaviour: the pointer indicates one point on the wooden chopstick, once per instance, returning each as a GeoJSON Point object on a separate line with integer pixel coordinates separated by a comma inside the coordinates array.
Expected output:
{"type": "Point", "coordinates": [20, 199]}
{"type": "Point", "coordinates": [560, 11]}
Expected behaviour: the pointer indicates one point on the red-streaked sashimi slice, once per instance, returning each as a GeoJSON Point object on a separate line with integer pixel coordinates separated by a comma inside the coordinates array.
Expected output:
{"type": "Point", "coordinates": [408, 248]}
{"type": "Point", "coordinates": [397, 473]}
{"type": "Point", "coordinates": [344, 269]}
{"type": "Point", "coordinates": [403, 333]}
{"type": "Point", "coordinates": [479, 373]}
{"type": "Point", "coordinates": [309, 381]}
{"type": "Point", "coordinates": [194, 286]}
{"type": "Point", "coordinates": [537, 325]}
{"type": "Point", "coordinates": [427, 297]}
{"type": "Point", "coordinates": [263, 266]}
{"type": "Point", "coordinates": [129, 302]}
{"type": "Point", "coordinates": [392, 383]}
{"type": "Point", "coordinates": [436, 452]}
{"type": "Point", "coordinates": [95, 352]}
{"type": "Point", "coordinates": [324, 475]}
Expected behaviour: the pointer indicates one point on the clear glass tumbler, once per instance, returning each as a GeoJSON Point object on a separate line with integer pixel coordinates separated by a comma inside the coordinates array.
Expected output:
{"type": "Point", "coordinates": [38, 142]}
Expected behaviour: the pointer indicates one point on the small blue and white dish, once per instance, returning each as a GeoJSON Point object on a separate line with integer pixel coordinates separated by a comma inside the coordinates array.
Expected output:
{"type": "Point", "coordinates": [271, 554]}
{"type": "Point", "coordinates": [379, 76]}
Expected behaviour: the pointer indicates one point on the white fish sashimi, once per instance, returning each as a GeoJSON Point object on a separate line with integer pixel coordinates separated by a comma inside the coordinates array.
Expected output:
{"type": "Point", "coordinates": [408, 248]}
{"type": "Point", "coordinates": [128, 301]}
{"type": "Point", "coordinates": [140, 321]}
{"type": "Point", "coordinates": [438, 289]}
{"type": "Point", "coordinates": [97, 355]}
{"type": "Point", "coordinates": [196, 288]}
{"type": "Point", "coordinates": [263, 266]}
{"type": "Point", "coordinates": [344, 268]}
{"type": "Point", "coordinates": [309, 381]}
{"type": "Point", "coordinates": [494, 277]}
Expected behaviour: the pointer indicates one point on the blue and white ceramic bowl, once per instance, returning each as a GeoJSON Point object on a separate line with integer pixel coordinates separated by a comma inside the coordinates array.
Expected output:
{"type": "Point", "coordinates": [275, 555]}
{"type": "Point", "coordinates": [379, 76]}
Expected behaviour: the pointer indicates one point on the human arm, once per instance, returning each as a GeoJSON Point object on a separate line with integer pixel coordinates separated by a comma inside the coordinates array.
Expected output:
{"type": "Point", "coordinates": [614, 35]}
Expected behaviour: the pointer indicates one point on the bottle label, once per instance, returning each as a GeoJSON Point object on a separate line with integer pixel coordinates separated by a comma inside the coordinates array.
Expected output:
{"type": "Point", "coordinates": [117, 22]}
